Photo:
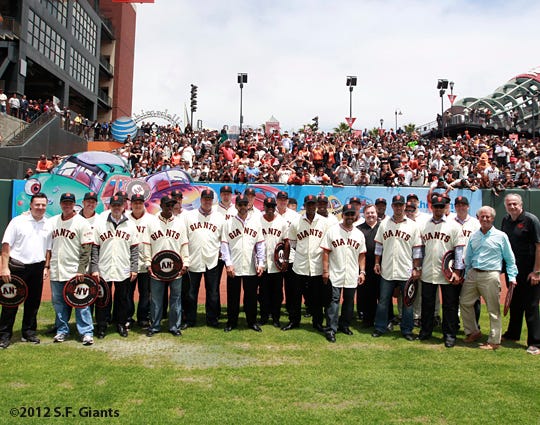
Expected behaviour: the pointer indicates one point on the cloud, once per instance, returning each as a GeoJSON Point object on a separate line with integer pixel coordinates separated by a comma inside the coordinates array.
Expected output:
{"type": "Point", "coordinates": [297, 54]}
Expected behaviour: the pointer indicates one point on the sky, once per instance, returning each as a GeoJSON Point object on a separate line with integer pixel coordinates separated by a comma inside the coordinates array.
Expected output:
{"type": "Point", "coordinates": [298, 53]}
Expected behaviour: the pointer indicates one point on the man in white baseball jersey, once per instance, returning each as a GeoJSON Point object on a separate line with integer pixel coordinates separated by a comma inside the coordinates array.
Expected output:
{"type": "Point", "coordinates": [398, 256]}
{"type": "Point", "coordinates": [243, 251]}
{"type": "Point", "coordinates": [305, 236]}
{"type": "Point", "coordinates": [274, 229]}
{"type": "Point", "coordinates": [24, 247]}
{"type": "Point", "coordinates": [90, 202]}
{"type": "Point", "coordinates": [468, 225]}
{"type": "Point", "coordinates": [439, 236]}
{"type": "Point", "coordinates": [252, 210]}
{"type": "Point", "coordinates": [204, 226]}
{"type": "Point", "coordinates": [225, 206]}
{"type": "Point", "coordinates": [115, 259]}
{"type": "Point", "coordinates": [69, 245]}
{"type": "Point", "coordinates": [166, 232]}
{"type": "Point", "coordinates": [140, 218]}
{"type": "Point", "coordinates": [322, 209]}
{"type": "Point", "coordinates": [344, 268]}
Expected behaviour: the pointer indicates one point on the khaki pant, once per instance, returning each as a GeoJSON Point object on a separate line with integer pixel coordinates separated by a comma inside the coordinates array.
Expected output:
{"type": "Point", "coordinates": [487, 285]}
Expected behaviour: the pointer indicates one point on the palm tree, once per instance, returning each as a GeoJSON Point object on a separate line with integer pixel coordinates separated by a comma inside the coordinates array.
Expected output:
{"type": "Point", "coordinates": [342, 128]}
{"type": "Point", "coordinates": [410, 128]}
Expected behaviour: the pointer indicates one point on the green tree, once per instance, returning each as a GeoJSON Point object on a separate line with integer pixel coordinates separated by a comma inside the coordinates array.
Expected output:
{"type": "Point", "coordinates": [410, 128]}
{"type": "Point", "coordinates": [342, 128]}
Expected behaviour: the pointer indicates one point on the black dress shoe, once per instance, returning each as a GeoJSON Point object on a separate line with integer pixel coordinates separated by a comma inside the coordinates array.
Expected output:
{"type": "Point", "coordinates": [409, 337]}
{"type": "Point", "coordinates": [255, 327]}
{"type": "Point", "coordinates": [449, 342]}
{"type": "Point", "coordinates": [376, 334]}
{"type": "Point", "coordinates": [228, 328]}
{"type": "Point", "coordinates": [423, 337]}
{"type": "Point", "coordinates": [122, 331]}
{"type": "Point", "coordinates": [318, 327]}
{"type": "Point", "coordinates": [346, 331]}
{"type": "Point", "coordinates": [290, 326]}
{"type": "Point", "coordinates": [150, 333]}
{"type": "Point", "coordinates": [31, 338]}
{"type": "Point", "coordinates": [4, 343]}
{"type": "Point", "coordinates": [100, 334]}
{"type": "Point", "coordinates": [276, 324]}
{"type": "Point", "coordinates": [176, 332]}
{"type": "Point", "coordinates": [330, 336]}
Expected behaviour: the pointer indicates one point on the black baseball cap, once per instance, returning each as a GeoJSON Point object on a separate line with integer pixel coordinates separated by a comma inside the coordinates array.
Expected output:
{"type": "Point", "coordinates": [438, 201]}
{"type": "Point", "coordinates": [241, 199]}
{"type": "Point", "coordinates": [225, 188]}
{"type": "Point", "coordinates": [310, 199]}
{"type": "Point", "coordinates": [398, 199]}
{"type": "Point", "coordinates": [269, 202]}
{"type": "Point", "coordinates": [249, 191]}
{"type": "Point", "coordinates": [207, 193]}
{"type": "Point", "coordinates": [137, 197]}
{"type": "Point", "coordinates": [282, 195]}
{"type": "Point", "coordinates": [322, 198]}
{"type": "Point", "coordinates": [355, 199]}
{"type": "Point", "coordinates": [122, 193]}
{"type": "Point", "coordinates": [67, 197]}
{"type": "Point", "coordinates": [167, 199]}
{"type": "Point", "coordinates": [349, 209]}
{"type": "Point", "coordinates": [412, 196]}
{"type": "Point", "coordinates": [461, 200]}
{"type": "Point", "coordinates": [90, 196]}
{"type": "Point", "coordinates": [380, 201]}
{"type": "Point", "coordinates": [177, 194]}
{"type": "Point", "coordinates": [116, 200]}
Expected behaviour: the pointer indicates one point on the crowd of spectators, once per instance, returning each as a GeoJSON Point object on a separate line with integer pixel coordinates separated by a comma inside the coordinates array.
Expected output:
{"type": "Point", "coordinates": [311, 157]}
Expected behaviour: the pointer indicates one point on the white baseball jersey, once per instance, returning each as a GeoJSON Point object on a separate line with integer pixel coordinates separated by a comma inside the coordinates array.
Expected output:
{"type": "Point", "coordinates": [274, 232]}
{"type": "Point", "coordinates": [345, 246]}
{"type": "Point", "coordinates": [255, 213]}
{"type": "Point", "coordinates": [332, 219]}
{"type": "Point", "coordinates": [165, 235]}
{"type": "Point", "coordinates": [114, 264]}
{"type": "Point", "coordinates": [306, 238]}
{"type": "Point", "coordinates": [141, 224]}
{"type": "Point", "coordinates": [66, 238]}
{"type": "Point", "coordinates": [27, 239]}
{"type": "Point", "coordinates": [398, 241]}
{"type": "Point", "coordinates": [227, 212]}
{"type": "Point", "coordinates": [468, 227]}
{"type": "Point", "coordinates": [289, 216]}
{"type": "Point", "coordinates": [241, 238]}
{"type": "Point", "coordinates": [204, 236]}
{"type": "Point", "coordinates": [438, 239]}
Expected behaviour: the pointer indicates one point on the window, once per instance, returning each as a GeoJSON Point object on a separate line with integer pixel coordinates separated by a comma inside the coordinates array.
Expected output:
{"type": "Point", "coordinates": [45, 39]}
{"type": "Point", "coordinates": [58, 9]}
{"type": "Point", "coordinates": [82, 70]}
{"type": "Point", "coordinates": [83, 28]}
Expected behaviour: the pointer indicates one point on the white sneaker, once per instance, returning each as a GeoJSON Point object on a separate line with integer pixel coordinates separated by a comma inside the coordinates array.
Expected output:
{"type": "Point", "coordinates": [533, 350]}
{"type": "Point", "coordinates": [88, 340]}
{"type": "Point", "coordinates": [59, 338]}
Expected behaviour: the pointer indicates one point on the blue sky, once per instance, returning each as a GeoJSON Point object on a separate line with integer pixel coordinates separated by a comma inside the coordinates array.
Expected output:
{"type": "Point", "coordinates": [297, 54]}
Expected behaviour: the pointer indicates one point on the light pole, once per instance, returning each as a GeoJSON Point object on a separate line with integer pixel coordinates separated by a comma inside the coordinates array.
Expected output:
{"type": "Point", "coordinates": [351, 82]}
{"type": "Point", "coordinates": [442, 85]}
{"type": "Point", "coordinates": [396, 113]}
{"type": "Point", "coordinates": [382, 122]}
{"type": "Point", "coordinates": [242, 79]}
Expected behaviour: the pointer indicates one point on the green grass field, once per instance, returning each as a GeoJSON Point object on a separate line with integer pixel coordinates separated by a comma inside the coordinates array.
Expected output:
{"type": "Point", "coordinates": [275, 377]}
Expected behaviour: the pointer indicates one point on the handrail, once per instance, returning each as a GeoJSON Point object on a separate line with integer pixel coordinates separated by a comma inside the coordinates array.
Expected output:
{"type": "Point", "coordinates": [28, 132]}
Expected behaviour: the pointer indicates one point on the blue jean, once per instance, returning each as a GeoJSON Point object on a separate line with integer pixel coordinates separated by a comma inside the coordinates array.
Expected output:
{"type": "Point", "coordinates": [83, 316]}
{"type": "Point", "coordinates": [157, 291]}
{"type": "Point", "coordinates": [385, 298]}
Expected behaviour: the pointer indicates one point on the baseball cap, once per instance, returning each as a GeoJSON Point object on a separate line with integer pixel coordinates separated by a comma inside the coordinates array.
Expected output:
{"type": "Point", "coordinates": [207, 193]}
{"type": "Point", "coordinates": [438, 201]}
{"type": "Point", "coordinates": [355, 199]}
{"type": "Point", "coordinates": [322, 198]}
{"type": "Point", "coordinates": [461, 200]}
{"type": "Point", "coordinates": [380, 201]}
{"type": "Point", "coordinates": [398, 199]}
{"type": "Point", "coordinates": [90, 196]}
{"type": "Point", "coordinates": [69, 197]}
{"type": "Point", "coordinates": [310, 199]}
{"type": "Point", "coordinates": [137, 197]}
{"type": "Point", "coordinates": [412, 196]}
{"type": "Point", "coordinates": [269, 202]}
{"type": "Point", "coordinates": [348, 209]}
{"type": "Point", "coordinates": [241, 199]}
{"type": "Point", "coordinates": [177, 194]}
{"type": "Point", "coordinates": [116, 200]}
{"type": "Point", "coordinates": [249, 191]}
{"type": "Point", "coordinates": [225, 188]}
{"type": "Point", "coordinates": [282, 195]}
{"type": "Point", "coordinates": [410, 204]}
{"type": "Point", "coordinates": [167, 199]}
{"type": "Point", "coordinates": [122, 193]}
